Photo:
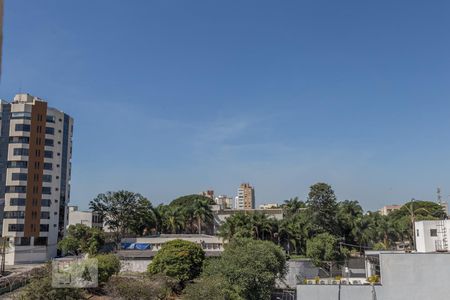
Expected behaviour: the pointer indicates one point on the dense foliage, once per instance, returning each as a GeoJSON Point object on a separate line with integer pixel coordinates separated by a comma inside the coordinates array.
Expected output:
{"type": "Point", "coordinates": [325, 229]}
{"type": "Point", "coordinates": [247, 269]}
{"type": "Point", "coordinates": [82, 239]}
{"type": "Point", "coordinates": [156, 287]}
{"type": "Point", "coordinates": [178, 259]}
{"type": "Point", "coordinates": [108, 265]}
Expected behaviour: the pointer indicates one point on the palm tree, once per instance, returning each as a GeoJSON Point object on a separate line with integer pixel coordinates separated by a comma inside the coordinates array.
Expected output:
{"type": "Point", "coordinates": [202, 212]}
{"type": "Point", "coordinates": [292, 206]}
{"type": "Point", "coordinates": [173, 219]}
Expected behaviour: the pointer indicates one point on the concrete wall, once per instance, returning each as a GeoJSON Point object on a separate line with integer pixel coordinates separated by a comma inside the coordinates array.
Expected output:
{"type": "Point", "coordinates": [138, 265]}
{"type": "Point", "coordinates": [416, 276]}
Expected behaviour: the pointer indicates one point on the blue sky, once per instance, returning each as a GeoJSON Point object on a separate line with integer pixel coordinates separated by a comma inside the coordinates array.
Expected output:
{"type": "Point", "coordinates": [176, 97]}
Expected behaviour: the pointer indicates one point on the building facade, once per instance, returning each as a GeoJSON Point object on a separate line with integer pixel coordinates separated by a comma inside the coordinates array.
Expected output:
{"type": "Point", "coordinates": [432, 236]}
{"type": "Point", "coordinates": [88, 218]}
{"type": "Point", "coordinates": [35, 168]}
{"type": "Point", "coordinates": [245, 198]}
{"type": "Point", "coordinates": [224, 201]}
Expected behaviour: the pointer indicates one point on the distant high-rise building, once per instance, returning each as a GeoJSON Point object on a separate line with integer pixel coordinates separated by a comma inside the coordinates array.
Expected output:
{"type": "Point", "coordinates": [35, 167]}
{"type": "Point", "coordinates": [224, 201]}
{"type": "Point", "coordinates": [208, 193]}
{"type": "Point", "coordinates": [245, 198]}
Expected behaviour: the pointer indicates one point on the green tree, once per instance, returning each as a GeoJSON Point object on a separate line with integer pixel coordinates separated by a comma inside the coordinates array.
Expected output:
{"type": "Point", "coordinates": [108, 265]}
{"type": "Point", "coordinates": [292, 207]}
{"type": "Point", "coordinates": [322, 207]}
{"type": "Point", "coordinates": [82, 239]}
{"type": "Point", "coordinates": [189, 200]}
{"type": "Point", "coordinates": [202, 212]}
{"type": "Point", "coordinates": [251, 267]}
{"type": "Point", "coordinates": [124, 212]}
{"type": "Point", "coordinates": [179, 259]}
{"type": "Point", "coordinates": [323, 248]}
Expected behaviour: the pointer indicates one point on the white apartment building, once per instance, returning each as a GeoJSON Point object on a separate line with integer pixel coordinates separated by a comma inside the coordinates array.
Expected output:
{"type": "Point", "coordinates": [88, 218]}
{"type": "Point", "coordinates": [224, 201]}
{"type": "Point", "coordinates": [35, 168]}
{"type": "Point", "coordinates": [245, 198]}
{"type": "Point", "coordinates": [432, 236]}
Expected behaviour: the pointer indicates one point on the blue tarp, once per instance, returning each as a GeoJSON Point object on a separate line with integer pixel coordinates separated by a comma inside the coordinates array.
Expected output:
{"type": "Point", "coordinates": [135, 246]}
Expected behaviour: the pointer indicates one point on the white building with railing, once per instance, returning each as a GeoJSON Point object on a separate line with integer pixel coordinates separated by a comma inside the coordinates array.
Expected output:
{"type": "Point", "coordinates": [432, 236]}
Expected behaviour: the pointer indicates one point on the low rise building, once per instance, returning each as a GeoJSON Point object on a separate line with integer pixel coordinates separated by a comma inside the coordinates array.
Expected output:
{"type": "Point", "coordinates": [268, 206]}
{"type": "Point", "coordinates": [224, 201]}
{"type": "Point", "coordinates": [394, 276]}
{"type": "Point", "coordinates": [432, 236]}
{"type": "Point", "coordinates": [87, 218]}
{"type": "Point", "coordinates": [387, 209]}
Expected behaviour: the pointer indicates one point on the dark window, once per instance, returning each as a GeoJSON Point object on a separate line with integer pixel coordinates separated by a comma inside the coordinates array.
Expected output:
{"type": "Point", "coordinates": [48, 154]}
{"type": "Point", "coordinates": [40, 241]}
{"type": "Point", "coordinates": [19, 176]}
{"type": "Point", "coordinates": [17, 201]}
{"type": "Point", "coordinates": [21, 115]}
{"type": "Point", "coordinates": [47, 178]}
{"type": "Point", "coordinates": [417, 232]}
{"type": "Point", "coordinates": [15, 227]}
{"type": "Point", "coordinates": [50, 119]}
{"type": "Point", "coordinates": [19, 139]}
{"type": "Point", "coordinates": [46, 190]}
{"type": "Point", "coordinates": [433, 232]}
{"type": "Point", "coordinates": [21, 151]}
{"type": "Point", "coordinates": [44, 227]}
{"type": "Point", "coordinates": [22, 127]}
{"type": "Point", "coordinates": [49, 142]}
{"type": "Point", "coordinates": [48, 166]}
{"type": "Point", "coordinates": [16, 189]}
{"type": "Point", "coordinates": [24, 241]}
{"type": "Point", "coordinates": [49, 130]}
{"type": "Point", "coordinates": [14, 214]}
{"type": "Point", "coordinates": [46, 202]}
{"type": "Point", "coordinates": [17, 164]}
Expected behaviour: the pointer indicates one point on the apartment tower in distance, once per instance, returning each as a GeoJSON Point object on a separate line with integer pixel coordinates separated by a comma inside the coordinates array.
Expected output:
{"type": "Point", "coordinates": [245, 198]}
{"type": "Point", "coordinates": [35, 167]}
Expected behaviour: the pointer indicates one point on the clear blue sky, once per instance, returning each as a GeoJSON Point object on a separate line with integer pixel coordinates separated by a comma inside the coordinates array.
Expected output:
{"type": "Point", "coordinates": [175, 97]}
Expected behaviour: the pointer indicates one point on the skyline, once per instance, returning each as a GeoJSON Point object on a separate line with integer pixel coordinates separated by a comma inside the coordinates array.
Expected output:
{"type": "Point", "coordinates": [176, 98]}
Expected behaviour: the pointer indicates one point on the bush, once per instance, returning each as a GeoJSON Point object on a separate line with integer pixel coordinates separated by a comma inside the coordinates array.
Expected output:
{"type": "Point", "coordinates": [178, 259]}
{"type": "Point", "coordinates": [40, 288]}
{"type": "Point", "coordinates": [157, 287]}
{"type": "Point", "coordinates": [82, 239]}
{"type": "Point", "coordinates": [108, 265]}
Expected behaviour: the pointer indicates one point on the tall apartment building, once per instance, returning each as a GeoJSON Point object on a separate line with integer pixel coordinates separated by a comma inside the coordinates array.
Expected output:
{"type": "Point", "coordinates": [245, 198]}
{"type": "Point", "coordinates": [35, 167]}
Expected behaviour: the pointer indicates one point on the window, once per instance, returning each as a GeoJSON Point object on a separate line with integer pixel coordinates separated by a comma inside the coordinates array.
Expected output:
{"type": "Point", "coordinates": [19, 139]}
{"type": "Point", "coordinates": [14, 215]}
{"type": "Point", "coordinates": [417, 232]}
{"type": "Point", "coordinates": [46, 190]}
{"type": "Point", "coordinates": [19, 176]}
{"type": "Point", "coordinates": [44, 227]}
{"type": "Point", "coordinates": [24, 241]}
{"type": "Point", "coordinates": [48, 166]}
{"type": "Point", "coordinates": [49, 130]}
{"type": "Point", "coordinates": [48, 154]}
{"type": "Point", "coordinates": [40, 241]}
{"type": "Point", "coordinates": [20, 151]}
{"type": "Point", "coordinates": [16, 189]}
{"type": "Point", "coordinates": [45, 215]}
{"type": "Point", "coordinates": [50, 119]}
{"type": "Point", "coordinates": [15, 227]}
{"type": "Point", "coordinates": [23, 127]}
{"type": "Point", "coordinates": [46, 202]}
{"type": "Point", "coordinates": [21, 115]}
{"type": "Point", "coordinates": [433, 232]}
{"type": "Point", "coordinates": [17, 201]}
{"type": "Point", "coordinates": [49, 142]}
{"type": "Point", "coordinates": [47, 178]}
{"type": "Point", "coordinates": [17, 164]}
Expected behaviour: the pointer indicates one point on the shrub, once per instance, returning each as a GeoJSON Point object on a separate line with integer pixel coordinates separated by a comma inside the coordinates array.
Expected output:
{"type": "Point", "coordinates": [156, 287]}
{"type": "Point", "coordinates": [108, 265]}
{"type": "Point", "coordinates": [178, 259]}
